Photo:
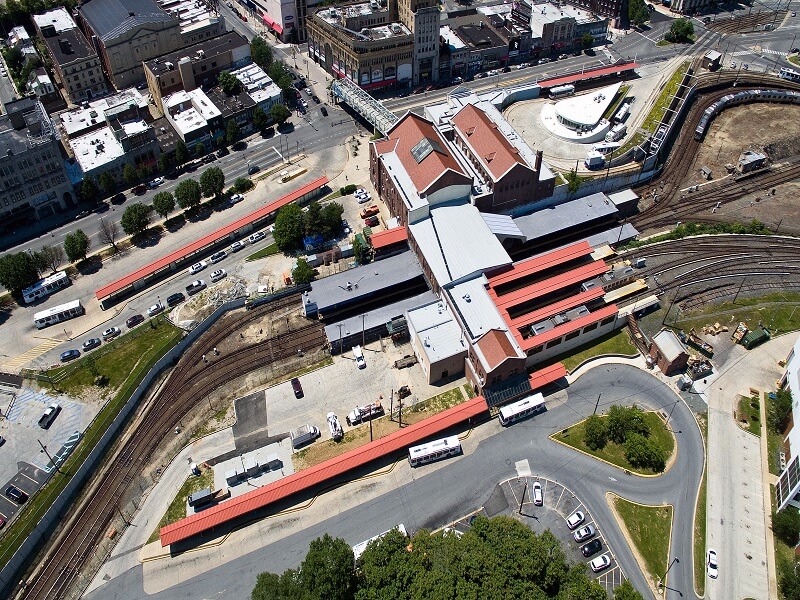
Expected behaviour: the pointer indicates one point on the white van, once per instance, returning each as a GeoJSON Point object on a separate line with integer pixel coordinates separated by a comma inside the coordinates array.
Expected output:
{"type": "Point", "coordinates": [359, 356]}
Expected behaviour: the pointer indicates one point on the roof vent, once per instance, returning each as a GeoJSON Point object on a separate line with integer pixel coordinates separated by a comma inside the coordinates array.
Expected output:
{"type": "Point", "coordinates": [467, 297]}
{"type": "Point", "coordinates": [131, 14]}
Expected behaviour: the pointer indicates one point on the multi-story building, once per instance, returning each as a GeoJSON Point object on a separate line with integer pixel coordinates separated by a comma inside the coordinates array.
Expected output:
{"type": "Point", "coordinates": [285, 18]}
{"type": "Point", "coordinates": [40, 84]}
{"type": "Point", "coordinates": [195, 66]}
{"type": "Point", "coordinates": [422, 18]}
{"type": "Point", "coordinates": [76, 66]}
{"type": "Point", "coordinates": [127, 33]}
{"type": "Point", "coordinates": [787, 491]}
{"type": "Point", "coordinates": [33, 181]}
{"type": "Point", "coordinates": [615, 10]}
{"type": "Point", "coordinates": [557, 26]}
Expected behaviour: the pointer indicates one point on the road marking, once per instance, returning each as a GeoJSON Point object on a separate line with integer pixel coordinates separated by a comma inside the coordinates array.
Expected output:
{"type": "Point", "coordinates": [523, 468]}
{"type": "Point", "coordinates": [33, 353]}
{"type": "Point", "coordinates": [29, 478]}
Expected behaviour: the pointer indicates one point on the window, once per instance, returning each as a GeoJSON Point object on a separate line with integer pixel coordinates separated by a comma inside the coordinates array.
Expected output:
{"type": "Point", "coordinates": [573, 335]}
{"type": "Point", "coordinates": [607, 321]}
{"type": "Point", "coordinates": [591, 327]}
{"type": "Point", "coordinates": [535, 350]}
{"type": "Point", "coordinates": [555, 342]}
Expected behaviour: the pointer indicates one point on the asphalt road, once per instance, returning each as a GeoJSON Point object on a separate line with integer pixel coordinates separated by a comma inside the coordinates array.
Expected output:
{"type": "Point", "coordinates": [468, 481]}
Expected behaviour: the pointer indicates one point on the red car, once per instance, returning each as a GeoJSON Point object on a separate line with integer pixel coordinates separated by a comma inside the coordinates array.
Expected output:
{"type": "Point", "coordinates": [371, 221]}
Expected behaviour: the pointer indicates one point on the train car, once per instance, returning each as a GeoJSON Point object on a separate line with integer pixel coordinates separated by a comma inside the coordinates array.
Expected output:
{"type": "Point", "coordinates": [743, 97]}
{"type": "Point", "coordinates": [789, 74]}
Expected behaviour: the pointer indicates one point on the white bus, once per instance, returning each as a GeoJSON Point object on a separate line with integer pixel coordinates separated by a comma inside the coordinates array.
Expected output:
{"type": "Point", "coordinates": [62, 312]}
{"type": "Point", "coordinates": [562, 91]}
{"type": "Point", "coordinates": [358, 549]}
{"type": "Point", "coordinates": [45, 287]}
{"type": "Point", "coordinates": [425, 453]}
{"type": "Point", "coordinates": [521, 409]}
{"type": "Point", "coordinates": [789, 74]}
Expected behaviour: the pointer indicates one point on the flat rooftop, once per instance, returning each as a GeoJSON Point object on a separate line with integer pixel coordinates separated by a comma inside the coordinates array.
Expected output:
{"type": "Point", "coordinates": [542, 14]}
{"type": "Point", "coordinates": [96, 149]}
{"type": "Point", "coordinates": [257, 83]}
{"type": "Point", "coordinates": [436, 326]}
{"type": "Point", "coordinates": [81, 119]}
{"type": "Point", "coordinates": [197, 110]}
{"type": "Point", "coordinates": [59, 18]}
{"type": "Point", "coordinates": [205, 49]}
{"type": "Point", "coordinates": [476, 307]}
{"type": "Point", "coordinates": [69, 46]}
{"type": "Point", "coordinates": [349, 287]}
{"type": "Point", "coordinates": [563, 216]}
{"type": "Point", "coordinates": [587, 109]}
{"type": "Point", "coordinates": [449, 36]}
{"type": "Point", "coordinates": [190, 12]}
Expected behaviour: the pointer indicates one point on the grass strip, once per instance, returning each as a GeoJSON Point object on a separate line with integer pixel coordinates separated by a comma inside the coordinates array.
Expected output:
{"type": "Point", "coordinates": [649, 528]}
{"type": "Point", "coordinates": [749, 412]}
{"type": "Point", "coordinates": [615, 453]}
{"type": "Point", "coordinates": [617, 342]}
{"type": "Point", "coordinates": [177, 508]}
{"type": "Point", "coordinates": [700, 520]}
{"type": "Point", "coordinates": [36, 507]}
{"type": "Point", "coordinates": [264, 252]}
{"type": "Point", "coordinates": [612, 108]}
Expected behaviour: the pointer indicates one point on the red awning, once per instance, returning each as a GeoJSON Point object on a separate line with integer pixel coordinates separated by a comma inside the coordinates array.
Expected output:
{"type": "Point", "coordinates": [278, 29]}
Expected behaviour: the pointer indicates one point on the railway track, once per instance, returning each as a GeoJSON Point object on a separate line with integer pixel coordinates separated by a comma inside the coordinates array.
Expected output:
{"type": "Point", "coordinates": [746, 22]}
{"type": "Point", "coordinates": [190, 380]}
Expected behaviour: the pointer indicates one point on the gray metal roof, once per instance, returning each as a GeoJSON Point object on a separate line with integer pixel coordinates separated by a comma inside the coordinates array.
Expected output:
{"type": "Point", "coordinates": [563, 216]}
{"type": "Point", "coordinates": [502, 226]}
{"type": "Point", "coordinates": [112, 18]}
{"type": "Point", "coordinates": [69, 46]}
{"type": "Point", "coordinates": [438, 330]}
{"type": "Point", "coordinates": [668, 344]}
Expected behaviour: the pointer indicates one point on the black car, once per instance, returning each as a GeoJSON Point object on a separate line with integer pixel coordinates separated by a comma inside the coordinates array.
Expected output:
{"type": "Point", "coordinates": [209, 158]}
{"type": "Point", "coordinates": [298, 389]}
{"type": "Point", "coordinates": [16, 494]}
{"type": "Point", "coordinates": [240, 146]}
{"type": "Point", "coordinates": [174, 299]}
{"type": "Point", "coordinates": [70, 355]}
{"type": "Point", "coordinates": [324, 111]}
{"type": "Point", "coordinates": [222, 152]}
{"type": "Point", "coordinates": [134, 321]}
{"type": "Point", "coordinates": [91, 343]}
{"type": "Point", "coordinates": [315, 98]}
{"type": "Point", "coordinates": [592, 547]}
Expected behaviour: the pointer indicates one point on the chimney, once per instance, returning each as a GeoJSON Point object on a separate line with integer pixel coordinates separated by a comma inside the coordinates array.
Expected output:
{"type": "Point", "coordinates": [537, 165]}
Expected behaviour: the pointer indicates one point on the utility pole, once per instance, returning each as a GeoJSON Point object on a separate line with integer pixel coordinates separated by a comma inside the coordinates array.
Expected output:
{"type": "Point", "coordinates": [596, 404]}
{"type": "Point", "coordinates": [363, 338]}
{"type": "Point", "coordinates": [370, 423]}
{"type": "Point", "coordinates": [522, 498]}
{"type": "Point", "coordinates": [44, 449]}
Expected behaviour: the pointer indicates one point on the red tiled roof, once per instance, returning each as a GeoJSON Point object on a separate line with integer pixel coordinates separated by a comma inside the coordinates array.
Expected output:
{"type": "Point", "coordinates": [541, 262]}
{"type": "Point", "coordinates": [488, 143]}
{"type": "Point", "coordinates": [164, 262]}
{"type": "Point", "coordinates": [496, 347]}
{"type": "Point", "coordinates": [590, 74]}
{"type": "Point", "coordinates": [554, 309]}
{"type": "Point", "coordinates": [334, 467]}
{"type": "Point", "coordinates": [540, 288]}
{"type": "Point", "coordinates": [557, 332]}
{"type": "Point", "coordinates": [547, 375]}
{"type": "Point", "coordinates": [388, 237]}
{"type": "Point", "coordinates": [407, 133]}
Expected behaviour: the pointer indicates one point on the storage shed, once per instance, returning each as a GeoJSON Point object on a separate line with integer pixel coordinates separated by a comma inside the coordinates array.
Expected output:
{"type": "Point", "coordinates": [668, 353]}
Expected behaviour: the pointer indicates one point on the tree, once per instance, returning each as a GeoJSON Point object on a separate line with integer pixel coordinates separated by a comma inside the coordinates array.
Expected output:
{"type": "Point", "coordinates": [261, 53]}
{"type": "Point", "coordinates": [76, 245]}
{"type": "Point", "coordinates": [88, 190]}
{"type": "Point", "coordinates": [18, 271]}
{"type": "Point", "coordinates": [623, 421]}
{"type": "Point", "coordinates": [129, 174]}
{"type": "Point", "coordinates": [626, 591]}
{"type": "Point", "coordinates": [163, 203]}
{"type": "Point", "coordinates": [303, 272]}
{"type": "Point", "coordinates": [573, 181]}
{"type": "Point", "coordinates": [229, 84]}
{"type": "Point", "coordinates": [637, 12]}
{"type": "Point", "coordinates": [107, 181]}
{"type": "Point", "coordinates": [360, 251]}
{"type": "Point", "coordinates": [327, 571]}
{"type": "Point", "coordinates": [596, 432]}
{"type": "Point", "coordinates": [587, 40]}
{"type": "Point", "coordinates": [681, 31]}
{"type": "Point", "coordinates": [200, 149]}
{"type": "Point", "coordinates": [188, 193]}
{"type": "Point", "coordinates": [232, 131]}
{"type": "Point", "coordinates": [181, 152]}
{"type": "Point", "coordinates": [279, 73]}
{"type": "Point", "coordinates": [108, 232]}
{"type": "Point", "coordinates": [50, 258]}
{"type": "Point", "coordinates": [331, 219]}
{"type": "Point", "coordinates": [789, 578]}
{"type": "Point", "coordinates": [778, 410]}
{"type": "Point", "coordinates": [135, 219]}
{"type": "Point", "coordinates": [644, 453]}
{"type": "Point", "coordinates": [14, 58]}
{"type": "Point", "coordinates": [212, 181]}
{"type": "Point", "coordinates": [786, 525]}
{"type": "Point", "coordinates": [280, 587]}
{"type": "Point", "coordinates": [260, 119]}
{"type": "Point", "coordinates": [288, 232]}
{"type": "Point", "coordinates": [164, 162]}
{"type": "Point", "coordinates": [279, 113]}
{"type": "Point", "coordinates": [312, 219]}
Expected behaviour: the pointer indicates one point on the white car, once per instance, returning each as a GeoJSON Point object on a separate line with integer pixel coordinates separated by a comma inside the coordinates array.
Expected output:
{"type": "Point", "coordinates": [575, 519]}
{"type": "Point", "coordinates": [218, 256]}
{"type": "Point", "coordinates": [584, 533]}
{"type": "Point", "coordinates": [197, 267]}
{"type": "Point", "coordinates": [236, 246]}
{"type": "Point", "coordinates": [236, 198]}
{"type": "Point", "coordinates": [711, 563]}
{"type": "Point", "coordinates": [601, 562]}
{"type": "Point", "coordinates": [538, 498]}
{"type": "Point", "coordinates": [154, 310]}
{"type": "Point", "coordinates": [111, 333]}
{"type": "Point", "coordinates": [260, 235]}
{"type": "Point", "coordinates": [363, 199]}
{"type": "Point", "coordinates": [359, 191]}
{"type": "Point", "coordinates": [156, 182]}
{"type": "Point", "coordinates": [217, 275]}
{"type": "Point", "coordinates": [733, 65]}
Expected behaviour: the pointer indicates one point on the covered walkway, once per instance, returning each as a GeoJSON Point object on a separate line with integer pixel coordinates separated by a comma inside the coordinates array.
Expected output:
{"type": "Point", "coordinates": [380, 117]}
{"type": "Point", "coordinates": [589, 75]}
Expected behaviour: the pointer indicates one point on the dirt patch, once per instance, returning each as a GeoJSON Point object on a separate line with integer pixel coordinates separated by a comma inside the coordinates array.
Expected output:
{"type": "Point", "coordinates": [773, 129]}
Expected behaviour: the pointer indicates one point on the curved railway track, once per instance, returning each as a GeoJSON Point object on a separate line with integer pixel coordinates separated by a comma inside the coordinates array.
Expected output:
{"type": "Point", "coordinates": [746, 22]}
{"type": "Point", "coordinates": [190, 380]}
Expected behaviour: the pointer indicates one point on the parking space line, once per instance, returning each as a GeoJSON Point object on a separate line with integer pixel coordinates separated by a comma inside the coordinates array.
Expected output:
{"type": "Point", "coordinates": [29, 479]}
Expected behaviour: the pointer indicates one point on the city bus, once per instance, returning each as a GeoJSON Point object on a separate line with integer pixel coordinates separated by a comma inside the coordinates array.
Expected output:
{"type": "Point", "coordinates": [358, 549]}
{"type": "Point", "coordinates": [432, 451]}
{"type": "Point", "coordinates": [521, 409]}
{"type": "Point", "coordinates": [45, 287]}
{"type": "Point", "coordinates": [57, 314]}
{"type": "Point", "coordinates": [562, 91]}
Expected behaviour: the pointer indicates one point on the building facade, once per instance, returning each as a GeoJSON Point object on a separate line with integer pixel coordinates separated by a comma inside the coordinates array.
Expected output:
{"type": "Point", "coordinates": [77, 68]}
{"type": "Point", "coordinates": [422, 18]}
{"type": "Point", "coordinates": [33, 181]}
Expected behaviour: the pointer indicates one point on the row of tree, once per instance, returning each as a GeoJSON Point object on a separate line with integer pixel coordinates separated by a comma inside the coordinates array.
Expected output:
{"type": "Point", "coordinates": [627, 427]}
{"type": "Point", "coordinates": [292, 224]}
{"type": "Point", "coordinates": [496, 558]}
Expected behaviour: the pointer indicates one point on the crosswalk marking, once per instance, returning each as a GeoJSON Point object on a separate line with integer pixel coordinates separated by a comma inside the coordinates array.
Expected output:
{"type": "Point", "coordinates": [35, 352]}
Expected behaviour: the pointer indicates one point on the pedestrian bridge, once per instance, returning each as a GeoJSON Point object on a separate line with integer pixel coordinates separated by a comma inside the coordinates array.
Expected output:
{"type": "Point", "coordinates": [368, 107]}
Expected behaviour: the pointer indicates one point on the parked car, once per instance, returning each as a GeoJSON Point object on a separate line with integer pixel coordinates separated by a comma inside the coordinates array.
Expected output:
{"type": "Point", "coordinates": [16, 494]}
{"type": "Point", "coordinates": [197, 267]}
{"type": "Point", "coordinates": [175, 298]}
{"type": "Point", "coordinates": [196, 286]}
{"type": "Point", "coordinates": [298, 389]}
{"type": "Point", "coordinates": [209, 158]}
{"type": "Point", "coordinates": [506, 69]}
{"type": "Point", "coordinates": [140, 189]}
{"type": "Point", "coordinates": [711, 564]}
{"type": "Point", "coordinates": [324, 111]}
{"type": "Point", "coordinates": [155, 309]}
{"type": "Point", "coordinates": [457, 80]}
{"type": "Point", "coordinates": [70, 355]}
{"type": "Point", "coordinates": [111, 333]}
{"type": "Point", "coordinates": [223, 152]}
{"type": "Point", "coordinates": [217, 275]}
{"type": "Point", "coordinates": [218, 256]}
{"type": "Point", "coordinates": [544, 61]}
{"type": "Point", "coordinates": [236, 246]}
{"type": "Point", "coordinates": [584, 533]}
{"type": "Point", "coordinates": [371, 221]}
{"type": "Point", "coordinates": [315, 98]}
{"type": "Point", "coordinates": [480, 75]}
{"type": "Point", "coordinates": [133, 321]}
{"type": "Point", "coordinates": [369, 211]}
{"type": "Point", "coordinates": [363, 199]}
{"type": "Point", "coordinates": [253, 169]}
{"type": "Point", "coordinates": [255, 237]}
{"type": "Point", "coordinates": [601, 562]}
{"type": "Point", "coordinates": [538, 498]}
{"type": "Point", "coordinates": [592, 547]}
{"type": "Point", "coordinates": [236, 198]}
{"type": "Point", "coordinates": [156, 182]}
{"type": "Point", "coordinates": [575, 519]}
{"type": "Point", "coordinates": [91, 343]}
{"type": "Point", "coordinates": [563, 56]}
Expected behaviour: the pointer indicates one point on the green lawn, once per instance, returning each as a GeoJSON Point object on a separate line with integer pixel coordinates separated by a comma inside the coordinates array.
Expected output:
{"type": "Point", "coordinates": [177, 509]}
{"type": "Point", "coordinates": [649, 527]}
{"type": "Point", "coordinates": [612, 109]}
{"type": "Point", "coordinates": [613, 452]}
{"type": "Point", "coordinates": [795, 60]}
{"type": "Point", "coordinates": [162, 339]}
{"type": "Point", "coordinates": [616, 342]}
{"type": "Point", "coordinates": [442, 401]}
{"type": "Point", "coordinates": [749, 410]}
{"type": "Point", "coordinates": [268, 251]}
{"type": "Point", "coordinates": [700, 521]}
